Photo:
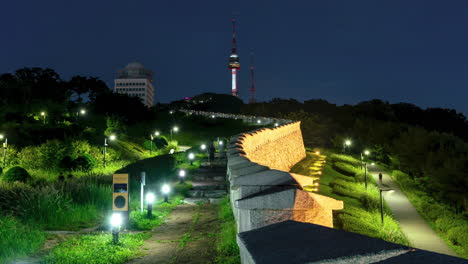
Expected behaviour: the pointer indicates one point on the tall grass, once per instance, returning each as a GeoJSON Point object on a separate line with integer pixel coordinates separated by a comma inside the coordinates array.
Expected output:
{"type": "Point", "coordinates": [17, 239]}
{"type": "Point", "coordinates": [227, 249]}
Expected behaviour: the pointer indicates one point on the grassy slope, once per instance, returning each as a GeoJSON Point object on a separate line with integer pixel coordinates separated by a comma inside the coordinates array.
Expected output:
{"type": "Point", "coordinates": [226, 247]}
{"type": "Point", "coordinates": [356, 217]}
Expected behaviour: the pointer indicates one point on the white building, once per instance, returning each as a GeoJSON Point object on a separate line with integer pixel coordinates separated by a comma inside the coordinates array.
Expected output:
{"type": "Point", "coordinates": [135, 80]}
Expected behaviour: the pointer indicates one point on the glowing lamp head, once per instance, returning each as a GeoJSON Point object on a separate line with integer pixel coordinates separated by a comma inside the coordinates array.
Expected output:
{"type": "Point", "coordinates": [220, 143]}
{"type": "Point", "coordinates": [348, 142]}
{"type": "Point", "coordinates": [203, 146]}
{"type": "Point", "coordinates": [191, 156]}
{"type": "Point", "coordinates": [116, 220]}
{"type": "Point", "coordinates": [276, 124]}
{"type": "Point", "coordinates": [372, 164]}
{"type": "Point", "coordinates": [317, 152]}
{"type": "Point", "coordinates": [175, 129]}
{"type": "Point", "coordinates": [150, 197]}
{"type": "Point", "coordinates": [171, 112]}
{"type": "Point", "coordinates": [43, 113]}
{"type": "Point", "coordinates": [112, 137]}
{"type": "Point", "coordinates": [390, 191]}
{"type": "Point", "coordinates": [259, 121]}
{"type": "Point", "coordinates": [212, 116]}
{"type": "Point", "coordinates": [82, 111]}
{"type": "Point", "coordinates": [165, 189]}
{"type": "Point", "coordinates": [182, 173]}
{"type": "Point", "coordinates": [366, 152]}
{"type": "Point", "coordinates": [1, 136]}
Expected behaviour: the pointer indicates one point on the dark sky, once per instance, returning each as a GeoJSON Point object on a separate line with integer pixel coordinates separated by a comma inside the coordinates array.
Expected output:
{"type": "Point", "coordinates": [342, 51]}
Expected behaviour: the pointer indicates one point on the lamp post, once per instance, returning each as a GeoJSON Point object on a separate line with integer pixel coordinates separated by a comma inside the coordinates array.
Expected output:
{"type": "Point", "coordinates": [149, 201]}
{"type": "Point", "coordinates": [191, 157]}
{"type": "Point", "coordinates": [111, 137]}
{"type": "Point", "coordinates": [165, 190]}
{"type": "Point", "coordinates": [365, 173]}
{"type": "Point", "coordinates": [151, 144]}
{"type": "Point", "coordinates": [182, 174]}
{"type": "Point", "coordinates": [5, 146]}
{"type": "Point", "coordinates": [174, 129]}
{"type": "Point", "coordinates": [381, 203]}
{"type": "Point", "coordinates": [116, 222]}
{"type": "Point", "coordinates": [43, 114]}
{"type": "Point", "coordinates": [347, 143]}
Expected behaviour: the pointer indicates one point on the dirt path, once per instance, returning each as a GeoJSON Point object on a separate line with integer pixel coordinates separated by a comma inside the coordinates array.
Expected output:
{"type": "Point", "coordinates": [416, 229]}
{"type": "Point", "coordinates": [187, 236]}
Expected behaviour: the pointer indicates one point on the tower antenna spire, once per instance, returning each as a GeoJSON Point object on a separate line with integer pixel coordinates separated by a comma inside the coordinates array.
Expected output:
{"type": "Point", "coordinates": [234, 64]}
{"type": "Point", "coordinates": [252, 78]}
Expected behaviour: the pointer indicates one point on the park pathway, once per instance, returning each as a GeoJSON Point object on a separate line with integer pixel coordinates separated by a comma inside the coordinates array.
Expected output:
{"type": "Point", "coordinates": [187, 236]}
{"type": "Point", "coordinates": [418, 232]}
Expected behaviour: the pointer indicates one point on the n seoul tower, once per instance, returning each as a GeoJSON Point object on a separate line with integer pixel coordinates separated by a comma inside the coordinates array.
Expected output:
{"type": "Point", "coordinates": [234, 64]}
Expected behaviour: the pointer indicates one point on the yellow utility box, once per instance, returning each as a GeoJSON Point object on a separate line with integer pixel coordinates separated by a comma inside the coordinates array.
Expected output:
{"type": "Point", "coordinates": [120, 190]}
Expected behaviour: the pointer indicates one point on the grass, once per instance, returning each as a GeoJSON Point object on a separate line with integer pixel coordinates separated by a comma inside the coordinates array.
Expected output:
{"type": "Point", "coordinates": [227, 250]}
{"type": "Point", "coordinates": [17, 239]}
{"type": "Point", "coordinates": [140, 221]}
{"type": "Point", "coordinates": [361, 213]}
{"type": "Point", "coordinates": [97, 249]}
{"type": "Point", "coordinates": [451, 227]}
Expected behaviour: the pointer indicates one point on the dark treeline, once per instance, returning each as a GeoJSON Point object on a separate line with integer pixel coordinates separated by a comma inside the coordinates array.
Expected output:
{"type": "Point", "coordinates": [429, 144]}
{"type": "Point", "coordinates": [27, 92]}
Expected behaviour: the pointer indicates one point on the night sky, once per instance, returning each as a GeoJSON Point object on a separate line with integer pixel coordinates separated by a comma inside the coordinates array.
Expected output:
{"type": "Point", "coordinates": [341, 51]}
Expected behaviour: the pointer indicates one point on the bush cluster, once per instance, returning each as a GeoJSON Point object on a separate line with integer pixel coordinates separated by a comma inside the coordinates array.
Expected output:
{"type": "Point", "coordinates": [346, 159]}
{"type": "Point", "coordinates": [345, 168]}
{"type": "Point", "coordinates": [16, 174]}
{"type": "Point", "coordinates": [84, 162]}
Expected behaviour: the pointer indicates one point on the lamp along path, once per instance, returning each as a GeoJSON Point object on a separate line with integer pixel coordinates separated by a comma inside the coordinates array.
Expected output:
{"type": "Point", "coordinates": [187, 236]}
{"type": "Point", "coordinates": [416, 229]}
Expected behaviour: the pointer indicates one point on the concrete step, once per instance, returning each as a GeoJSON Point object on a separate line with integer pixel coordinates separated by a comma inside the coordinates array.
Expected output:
{"type": "Point", "coordinates": [206, 193]}
{"type": "Point", "coordinates": [209, 185]}
{"type": "Point", "coordinates": [194, 201]}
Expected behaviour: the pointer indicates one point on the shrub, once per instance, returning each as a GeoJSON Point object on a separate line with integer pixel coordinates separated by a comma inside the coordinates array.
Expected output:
{"type": "Point", "coordinates": [85, 162]}
{"type": "Point", "coordinates": [457, 235]}
{"type": "Point", "coordinates": [398, 175]}
{"type": "Point", "coordinates": [29, 158]}
{"type": "Point", "coordinates": [445, 223]}
{"type": "Point", "coordinates": [1, 170]}
{"type": "Point", "coordinates": [346, 159]}
{"type": "Point", "coordinates": [346, 169]}
{"type": "Point", "coordinates": [370, 202]}
{"type": "Point", "coordinates": [346, 192]}
{"type": "Point", "coordinates": [16, 174]}
{"type": "Point", "coordinates": [361, 177]}
{"type": "Point", "coordinates": [67, 163]}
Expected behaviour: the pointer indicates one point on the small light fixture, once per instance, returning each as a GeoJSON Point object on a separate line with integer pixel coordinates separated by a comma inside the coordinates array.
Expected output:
{"type": "Point", "coordinates": [116, 223]}
{"type": "Point", "coordinates": [203, 147]}
{"type": "Point", "coordinates": [156, 133]}
{"type": "Point", "coordinates": [82, 111]}
{"type": "Point", "coordinates": [112, 137]}
{"type": "Point", "coordinates": [182, 174]}
{"type": "Point", "coordinates": [149, 201]}
{"type": "Point", "coordinates": [165, 190]}
{"type": "Point", "coordinates": [191, 157]}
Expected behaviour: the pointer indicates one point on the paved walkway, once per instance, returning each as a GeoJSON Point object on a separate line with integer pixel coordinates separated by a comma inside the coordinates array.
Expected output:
{"type": "Point", "coordinates": [418, 232]}
{"type": "Point", "coordinates": [185, 237]}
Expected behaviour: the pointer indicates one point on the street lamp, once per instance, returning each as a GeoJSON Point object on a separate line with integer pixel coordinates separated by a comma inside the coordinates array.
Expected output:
{"type": "Point", "coordinates": [174, 129]}
{"type": "Point", "coordinates": [111, 137]}
{"type": "Point", "coordinates": [203, 147]}
{"type": "Point", "coordinates": [191, 157]}
{"type": "Point", "coordinates": [116, 223]}
{"type": "Point", "coordinates": [156, 133]}
{"type": "Point", "coordinates": [43, 114]}
{"type": "Point", "coordinates": [259, 121]}
{"type": "Point", "coordinates": [347, 143]}
{"type": "Point", "coordinates": [276, 124]}
{"type": "Point", "coordinates": [381, 202]}
{"type": "Point", "coordinates": [151, 144]}
{"type": "Point", "coordinates": [182, 174]}
{"type": "Point", "coordinates": [165, 190]}
{"type": "Point", "coordinates": [5, 146]}
{"type": "Point", "coordinates": [149, 201]}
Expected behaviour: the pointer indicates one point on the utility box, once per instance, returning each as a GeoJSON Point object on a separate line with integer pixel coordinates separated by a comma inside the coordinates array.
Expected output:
{"type": "Point", "coordinates": [120, 190]}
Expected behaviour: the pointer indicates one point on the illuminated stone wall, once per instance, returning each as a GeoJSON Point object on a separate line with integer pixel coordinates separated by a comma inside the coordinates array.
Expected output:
{"type": "Point", "coordinates": [262, 190]}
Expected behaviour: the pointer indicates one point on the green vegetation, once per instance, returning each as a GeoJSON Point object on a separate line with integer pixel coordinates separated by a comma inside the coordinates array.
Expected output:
{"type": "Point", "coordinates": [140, 221]}
{"type": "Point", "coordinates": [452, 227]}
{"type": "Point", "coordinates": [226, 247]}
{"type": "Point", "coordinates": [97, 249]}
{"type": "Point", "coordinates": [361, 213]}
{"type": "Point", "coordinates": [17, 239]}
{"type": "Point", "coordinates": [16, 174]}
